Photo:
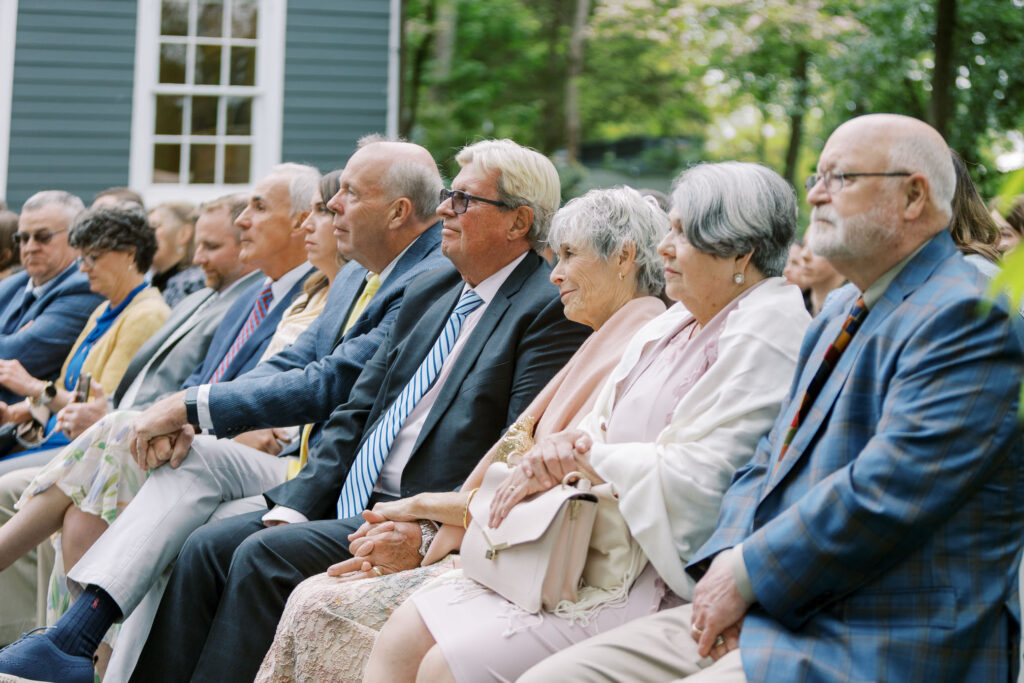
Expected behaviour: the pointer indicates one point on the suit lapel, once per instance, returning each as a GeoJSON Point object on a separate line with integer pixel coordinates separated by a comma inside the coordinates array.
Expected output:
{"type": "Point", "coordinates": [265, 329]}
{"type": "Point", "coordinates": [477, 340]}
{"type": "Point", "coordinates": [914, 274]}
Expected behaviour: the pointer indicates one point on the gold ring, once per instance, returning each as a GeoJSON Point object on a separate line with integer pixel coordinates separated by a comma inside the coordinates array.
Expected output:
{"type": "Point", "coordinates": [378, 571]}
{"type": "Point", "coordinates": [696, 631]}
{"type": "Point", "coordinates": [719, 641]}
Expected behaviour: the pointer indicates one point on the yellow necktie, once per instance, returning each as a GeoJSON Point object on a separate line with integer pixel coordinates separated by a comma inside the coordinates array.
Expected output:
{"type": "Point", "coordinates": [372, 285]}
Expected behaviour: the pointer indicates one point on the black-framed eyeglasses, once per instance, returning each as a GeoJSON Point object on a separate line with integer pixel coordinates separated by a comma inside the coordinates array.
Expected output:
{"type": "Point", "coordinates": [89, 258]}
{"type": "Point", "coordinates": [460, 200]}
{"type": "Point", "coordinates": [41, 237]}
{"type": "Point", "coordinates": [834, 182]}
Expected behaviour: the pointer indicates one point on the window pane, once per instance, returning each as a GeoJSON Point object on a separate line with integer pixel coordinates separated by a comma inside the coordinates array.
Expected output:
{"type": "Point", "coordinates": [243, 66]}
{"type": "Point", "coordinates": [201, 165]}
{"type": "Point", "coordinates": [166, 163]}
{"type": "Point", "coordinates": [172, 63]}
{"type": "Point", "coordinates": [204, 115]}
{"type": "Point", "coordinates": [207, 64]}
{"type": "Point", "coordinates": [236, 164]}
{"type": "Point", "coordinates": [174, 18]}
{"type": "Point", "coordinates": [244, 19]}
{"type": "Point", "coordinates": [168, 114]}
{"type": "Point", "coordinates": [239, 116]}
{"type": "Point", "coordinates": [210, 18]}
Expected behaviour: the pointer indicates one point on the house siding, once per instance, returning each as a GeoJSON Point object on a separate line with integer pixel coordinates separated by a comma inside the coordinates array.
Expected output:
{"type": "Point", "coordinates": [336, 78]}
{"type": "Point", "coordinates": [71, 97]}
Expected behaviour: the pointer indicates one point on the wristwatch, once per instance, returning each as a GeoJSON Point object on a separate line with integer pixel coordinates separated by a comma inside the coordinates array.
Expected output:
{"type": "Point", "coordinates": [192, 406]}
{"type": "Point", "coordinates": [427, 530]}
{"type": "Point", "coordinates": [48, 393]}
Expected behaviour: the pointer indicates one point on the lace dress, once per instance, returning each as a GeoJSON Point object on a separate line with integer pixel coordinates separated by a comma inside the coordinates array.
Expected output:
{"type": "Point", "coordinates": [328, 627]}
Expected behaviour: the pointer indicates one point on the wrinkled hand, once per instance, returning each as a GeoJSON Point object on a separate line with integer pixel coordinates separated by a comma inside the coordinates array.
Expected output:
{"type": "Point", "coordinates": [266, 440]}
{"type": "Point", "coordinates": [385, 545]}
{"type": "Point", "coordinates": [396, 510]}
{"type": "Point", "coordinates": [160, 434]}
{"type": "Point", "coordinates": [75, 418]}
{"type": "Point", "coordinates": [557, 455]}
{"type": "Point", "coordinates": [16, 412]}
{"type": "Point", "coordinates": [718, 609]}
{"type": "Point", "coordinates": [515, 487]}
{"type": "Point", "coordinates": [15, 377]}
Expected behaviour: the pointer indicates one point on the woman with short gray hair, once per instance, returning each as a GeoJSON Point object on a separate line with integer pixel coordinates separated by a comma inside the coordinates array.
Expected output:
{"type": "Point", "coordinates": [683, 410]}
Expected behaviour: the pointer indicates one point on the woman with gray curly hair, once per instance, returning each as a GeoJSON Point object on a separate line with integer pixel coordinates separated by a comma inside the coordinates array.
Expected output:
{"type": "Point", "coordinates": [695, 390]}
{"type": "Point", "coordinates": [610, 277]}
{"type": "Point", "coordinates": [117, 248]}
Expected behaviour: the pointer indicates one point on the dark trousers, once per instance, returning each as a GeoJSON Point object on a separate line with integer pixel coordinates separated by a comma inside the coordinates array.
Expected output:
{"type": "Point", "coordinates": [226, 594]}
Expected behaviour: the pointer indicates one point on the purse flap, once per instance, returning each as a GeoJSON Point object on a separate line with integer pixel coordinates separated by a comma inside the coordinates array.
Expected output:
{"type": "Point", "coordinates": [524, 523]}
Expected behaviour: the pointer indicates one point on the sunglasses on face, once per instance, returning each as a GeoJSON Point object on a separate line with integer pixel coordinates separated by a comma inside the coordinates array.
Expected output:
{"type": "Point", "coordinates": [41, 237]}
{"type": "Point", "coordinates": [460, 200]}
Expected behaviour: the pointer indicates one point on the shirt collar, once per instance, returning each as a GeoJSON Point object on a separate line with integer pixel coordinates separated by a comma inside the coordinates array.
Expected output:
{"type": "Point", "coordinates": [383, 275]}
{"type": "Point", "coordinates": [873, 293]}
{"type": "Point", "coordinates": [46, 286]}
{"type": "Point", "coordinates": [489, 287]}
{"type": "Point", "coordinates": [283, 284]}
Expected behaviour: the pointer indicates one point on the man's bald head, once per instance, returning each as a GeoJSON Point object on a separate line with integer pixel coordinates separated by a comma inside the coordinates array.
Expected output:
{"type": "Point", "coordinates": [903, 143]}
{"type": "Point", "coordinates": [406, 170]}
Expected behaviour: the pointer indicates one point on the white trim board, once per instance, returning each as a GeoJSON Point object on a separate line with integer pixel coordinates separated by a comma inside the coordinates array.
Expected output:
{"type": "Point", "coordinates": [8, 33]}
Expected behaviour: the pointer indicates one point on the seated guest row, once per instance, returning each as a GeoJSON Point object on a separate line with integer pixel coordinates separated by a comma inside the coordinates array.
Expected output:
{"type": "Point", "coordinates": [863, 470]}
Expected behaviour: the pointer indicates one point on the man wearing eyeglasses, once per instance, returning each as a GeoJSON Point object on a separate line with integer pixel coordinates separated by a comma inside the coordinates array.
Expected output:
{"type": "Point", "coordinates": [44, 308]}
{"type": "Point", "coordinates": [875, 534]}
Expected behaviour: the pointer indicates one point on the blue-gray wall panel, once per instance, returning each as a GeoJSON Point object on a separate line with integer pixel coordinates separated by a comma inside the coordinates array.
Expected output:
{"type": "Point", "coordinates": [72, 97]}
{"type": "Point", "coordinates": [336, 78]}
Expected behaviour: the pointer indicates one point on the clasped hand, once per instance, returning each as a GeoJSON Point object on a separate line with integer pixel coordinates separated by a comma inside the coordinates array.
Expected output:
{"type": "Point", "coordinates": [380, 546]}
{"type": "Point", "coordinates": [15, 377]}
{"type": "Point", "coordinates": [542, 468]}
{"type": "Point", "coordinates": [718, 610]}
{"type": "Point", "coordinates": [160, 434]}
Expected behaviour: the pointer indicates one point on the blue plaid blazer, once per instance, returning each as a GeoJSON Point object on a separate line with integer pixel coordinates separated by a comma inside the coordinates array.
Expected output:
{"type": "Point", "coordinates": [884, 546]}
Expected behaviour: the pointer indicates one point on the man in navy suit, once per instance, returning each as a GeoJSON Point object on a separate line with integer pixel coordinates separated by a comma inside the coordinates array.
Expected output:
{"type": "Point", "coordinates": [876, 532]}
{"type": "Point", "coordinates": [392, 235]}
{"type": "Point", "coordinates": [477, 375]}
{"type": "Point", "coordinates": [44, 308]}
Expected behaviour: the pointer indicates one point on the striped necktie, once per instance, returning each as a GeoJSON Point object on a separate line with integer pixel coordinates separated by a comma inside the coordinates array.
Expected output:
{"type": "Point", "coordinates": [371, 287]}
{"type": "Point", "coordinates": [259, 311]}
{"type": "Point", "coordinates": [832, 354]}
{"type": "Point", "coordinates": [366, 467]}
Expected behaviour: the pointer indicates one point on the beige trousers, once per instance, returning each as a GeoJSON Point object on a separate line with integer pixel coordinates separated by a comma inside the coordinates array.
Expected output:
{"type": "Point", "coordinates": [22, 585]}
{"type": "Point", "coordinates": [654, 648]}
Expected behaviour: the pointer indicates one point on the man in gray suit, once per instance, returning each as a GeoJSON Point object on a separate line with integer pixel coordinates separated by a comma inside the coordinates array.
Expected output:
{"type": "Point", "coordinates": [159, 367]}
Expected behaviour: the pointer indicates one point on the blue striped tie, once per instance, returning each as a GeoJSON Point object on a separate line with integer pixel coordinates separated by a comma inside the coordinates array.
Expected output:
{"type": "Point", "coordinates": [355, 494]}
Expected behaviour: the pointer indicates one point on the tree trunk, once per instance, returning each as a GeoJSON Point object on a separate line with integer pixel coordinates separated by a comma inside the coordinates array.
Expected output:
{"type": "Point", "coordinates": [416, 63]}
{"type": "Point", "coordinates": [796, 116]}
{"type": "Point", "coordinates": [444, 48]}
{"type": "Point", "coordinates": [572, 109]}
{"type": "Point", "coordinates": [941, 104]}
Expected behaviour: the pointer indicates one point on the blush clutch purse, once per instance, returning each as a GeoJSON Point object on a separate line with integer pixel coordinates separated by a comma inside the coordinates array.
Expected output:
{"type": "Point", "coordinates": [536, 557]}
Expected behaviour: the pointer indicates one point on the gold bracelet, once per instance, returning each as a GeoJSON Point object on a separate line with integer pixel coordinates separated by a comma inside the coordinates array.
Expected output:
{"type": "Point", "coordinates": [465, 513]}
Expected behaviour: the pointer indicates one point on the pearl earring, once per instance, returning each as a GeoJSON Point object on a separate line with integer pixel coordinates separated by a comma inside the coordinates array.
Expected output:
{"type": "Point", "coordinates": [622, 276]}
{"type": "Point", "coordinates": [739, 278]}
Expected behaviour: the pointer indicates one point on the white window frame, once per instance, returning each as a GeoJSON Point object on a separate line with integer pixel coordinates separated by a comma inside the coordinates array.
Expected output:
{"type": "Point", "coordinates": [267, 110]}
{"type": "Point", "coordinates": [8, 33]}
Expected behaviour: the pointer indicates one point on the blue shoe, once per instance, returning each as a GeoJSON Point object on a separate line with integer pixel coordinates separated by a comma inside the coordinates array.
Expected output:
{"type": "Point", "coordinates": [35, 659]}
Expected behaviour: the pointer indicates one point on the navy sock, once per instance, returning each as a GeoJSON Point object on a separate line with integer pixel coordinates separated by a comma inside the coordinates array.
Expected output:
{"type": "Point", "coordinates": [83, 626]}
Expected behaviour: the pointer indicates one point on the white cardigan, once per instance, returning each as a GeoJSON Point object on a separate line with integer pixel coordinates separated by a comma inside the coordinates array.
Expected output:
{"type": "Point", "coordinates": [670, 490]}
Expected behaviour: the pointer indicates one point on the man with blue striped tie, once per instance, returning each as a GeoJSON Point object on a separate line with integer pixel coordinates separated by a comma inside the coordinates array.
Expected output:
{"type": "Point", "coordinates": [469, 350]}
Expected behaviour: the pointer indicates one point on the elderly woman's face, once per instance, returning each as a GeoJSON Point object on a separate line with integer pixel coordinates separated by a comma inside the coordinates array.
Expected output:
{"type": "Point", "coordinates": [702, 282]}
{"type": "Point", "coordinates": [590, 287]}
{"type": "Point", "coordinates": [106, 270]}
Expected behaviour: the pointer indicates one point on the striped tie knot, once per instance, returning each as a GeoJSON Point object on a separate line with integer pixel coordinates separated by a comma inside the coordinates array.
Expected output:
{"type": "Point", "coordinates": [362, 476]}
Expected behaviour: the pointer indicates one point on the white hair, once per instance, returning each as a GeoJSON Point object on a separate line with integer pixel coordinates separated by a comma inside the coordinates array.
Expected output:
{"type": "Point", "coordinates": [734, 208]}
{"type": "Point", "coordinates": [70, 205]}
{"type": "Point", "coordinates": [609, 220]}
{"type": "Point", "coordinates": [525, 178]}
{"type": "Point", "coordinates": [922, 154]}
{"type": "Point", "coordinates": [303, 182]}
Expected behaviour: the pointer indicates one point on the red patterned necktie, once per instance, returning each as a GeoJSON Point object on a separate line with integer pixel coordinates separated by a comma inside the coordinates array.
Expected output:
{"type": "Point", "coordinates": [832, 354]}
{"type": "Point", "coordinates": [259, 311]}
